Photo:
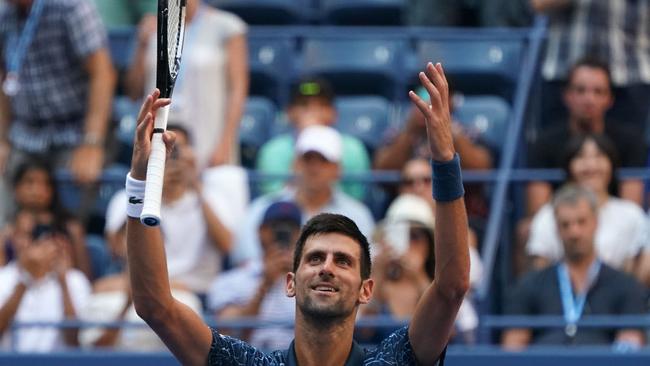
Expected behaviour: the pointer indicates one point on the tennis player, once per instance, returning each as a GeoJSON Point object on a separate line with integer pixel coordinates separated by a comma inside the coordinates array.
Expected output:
{"type": "Point", "coordinates": [331, 270]}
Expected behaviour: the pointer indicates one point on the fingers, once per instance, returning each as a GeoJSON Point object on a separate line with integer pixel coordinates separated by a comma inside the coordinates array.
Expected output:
{"type": "Point", "coordinates": [169, 138]}
{"type": "Point", "coordinates": [436, 75]}
{"type": "Point", "coordinates": [434, 94]}
{"type": "Point", "coordinates": [419, 103]}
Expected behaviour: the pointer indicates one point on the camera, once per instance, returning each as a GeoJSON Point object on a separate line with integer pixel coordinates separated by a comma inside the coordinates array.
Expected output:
{"type": "Point", "coordinates": [41, 230]}
{"type": "Point", "coordinates": [283, 232]}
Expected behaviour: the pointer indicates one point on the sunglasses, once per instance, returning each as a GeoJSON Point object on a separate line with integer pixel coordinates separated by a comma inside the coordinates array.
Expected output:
{"type": "Point", "coordinates": [411, 181]}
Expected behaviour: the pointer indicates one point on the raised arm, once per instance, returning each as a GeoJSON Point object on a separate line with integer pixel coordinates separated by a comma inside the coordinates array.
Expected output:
{"type": "Point", "coordinates": [433, 321]}
{"type": "Point", "coordinates": [178, 326]}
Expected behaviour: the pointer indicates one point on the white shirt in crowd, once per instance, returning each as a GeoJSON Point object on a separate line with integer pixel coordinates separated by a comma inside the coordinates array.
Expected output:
{"type": "Point", "coordinates": [622, 232]}
{"type": "Point", "coordinates": [43, 301]}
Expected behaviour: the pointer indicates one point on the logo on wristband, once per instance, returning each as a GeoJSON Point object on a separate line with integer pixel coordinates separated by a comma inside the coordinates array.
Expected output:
{"type": "Point", "coordinates": [135, 200]}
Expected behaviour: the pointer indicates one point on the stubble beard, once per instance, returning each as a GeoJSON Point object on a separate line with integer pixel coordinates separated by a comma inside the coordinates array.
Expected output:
{"type": "Point", "coordinates": [324, 314]}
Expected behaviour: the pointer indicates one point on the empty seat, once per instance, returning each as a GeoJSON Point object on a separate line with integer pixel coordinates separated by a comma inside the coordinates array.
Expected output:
{"type": "Point", "coordinates": [121, 43]}
{"type": "Point", "coordinates": [255, 127]}
{"type": "Point", "coordinates": [271, 66]}
{"type": "Point", "coordinates": [475, 66]}
{"type": "Point", "coordinates": [363, 12]}
{"type": "Point", "coordinates": [264, 12]}
{"type": "Point", "coordinates": [358, 63]}
{"type": "Point", "coordinates": [485, 117]}
{"type": "Point", "coordinates": [364, 117]}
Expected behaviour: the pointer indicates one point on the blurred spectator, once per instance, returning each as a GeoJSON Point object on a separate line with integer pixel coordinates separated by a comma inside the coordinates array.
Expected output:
{"type": "Point", "coordinates": [211, 88]}
{"type": "Point", "coordinates": [124, 13]}
{"type": "Point", "coordinates": [484, 13]}
{"type": "Point", "coordinates": [591, 163]}
{"type": "Point", "coordinates": [578, 285]}
{"type": "Point", "coordinates": [198, 223]}
{"type": "Point", "coordinates": [613, 30]}
{"type": "Point", "coordinates": [257, 289]}
{"type": "Point", "coordinates": [111, 295]}
{"type": "Point", "coordinates": [40, 285]}
{"type": "Point", "coordinates": [587, 96]}
{"type": "Point", "coordinates": [404, 265]}
{"type": "Point", "coordinates": [317, 167]}
{"type": "Point", "coordinates": [312, 103]}
{"type": "Point", "coordinates": [57, 83]}
{"type": "Point", "coordinates": [411, 143]}
{"type": "Point", "coordinates": [38, 206]}
{"type": "Point", "coordinates": [416, 179]}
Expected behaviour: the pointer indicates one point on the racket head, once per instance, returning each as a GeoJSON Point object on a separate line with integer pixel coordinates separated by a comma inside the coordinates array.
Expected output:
{"type": "Point", "coordinates": [170, 35]}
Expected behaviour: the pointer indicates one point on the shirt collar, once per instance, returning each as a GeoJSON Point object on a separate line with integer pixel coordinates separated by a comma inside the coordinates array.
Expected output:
{"type": "Point", "coordinates": [355, 358]}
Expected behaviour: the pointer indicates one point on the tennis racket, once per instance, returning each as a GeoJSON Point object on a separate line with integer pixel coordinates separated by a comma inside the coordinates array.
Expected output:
{"type": "Point", "coordinates": [170, 33]}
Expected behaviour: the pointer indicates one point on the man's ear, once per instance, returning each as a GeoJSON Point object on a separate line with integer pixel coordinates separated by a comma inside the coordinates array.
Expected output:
{"type": "Point", "coordinates": [365, 292]}
{"type": "Point", "coordinates": [290, 286]}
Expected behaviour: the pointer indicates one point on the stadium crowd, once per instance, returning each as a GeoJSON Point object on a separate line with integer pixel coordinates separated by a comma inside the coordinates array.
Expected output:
{"type": "Point", "coordinates": [581, 246]}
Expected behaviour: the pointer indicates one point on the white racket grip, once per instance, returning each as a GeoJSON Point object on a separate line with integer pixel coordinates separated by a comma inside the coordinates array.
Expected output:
{"type": "Point", "coordinates": [150, 215]}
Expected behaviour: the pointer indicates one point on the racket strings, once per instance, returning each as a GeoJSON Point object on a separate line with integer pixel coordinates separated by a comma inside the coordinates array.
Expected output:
{"type": "Point", "coordinates": [175, 25]}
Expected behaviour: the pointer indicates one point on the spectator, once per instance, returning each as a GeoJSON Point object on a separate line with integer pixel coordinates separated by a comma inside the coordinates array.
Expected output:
{"type": "Point", "coordinates": [404, 266]}
{"type": "Point", "coordinates": [591, 163]}
{"type": "Point", "coordinates": [111, 300]}
{"type": "Point", "coordinates": [40, 285]}
{"type": "Point", "coordinates": [587, 96]}
{"type": "Point", "coordinates": [411, 143]}
{"type": "Point", "coordinates": [317, 167]}
{"type": "Point", "coordinates": [125, 13]}
{"type": "Point", "coordinates": [579, 285]}
{"type": "Point", "coordinates": [613, 30]}
{"type": "Point", "coordinates": [198, 223]}
{"type": "Point", "coordinates": [37, 205]}
{"type": "Point", "coordinates": [211, 88]}
{"type": "Point", "coordinates": [57, 86]}
{"type": "Point", "coordinates": [312, 103]}
{"type": "Point", "coordinates": [256, 289]}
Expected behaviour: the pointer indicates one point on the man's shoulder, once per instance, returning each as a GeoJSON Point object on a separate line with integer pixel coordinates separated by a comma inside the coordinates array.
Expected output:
{"type": "Point", "coordinates": [551, 133]}
{"type": "Point", "coordinates": [539, 277]}
{"type": "Point", "coordinates": [393, 350]}
{"type": "Point", "coordinates": [227, 350]}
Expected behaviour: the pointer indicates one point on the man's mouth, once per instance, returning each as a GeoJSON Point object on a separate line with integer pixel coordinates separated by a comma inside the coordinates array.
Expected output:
{"type": "Point", "coordinates": [325, 288]}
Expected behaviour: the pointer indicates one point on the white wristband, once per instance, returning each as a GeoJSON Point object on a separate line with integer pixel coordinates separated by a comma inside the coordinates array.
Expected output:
{"type": "Point", "coordinates": [134, 196]}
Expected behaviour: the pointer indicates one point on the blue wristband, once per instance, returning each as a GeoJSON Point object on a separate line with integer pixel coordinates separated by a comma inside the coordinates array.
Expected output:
{"type": "Point", "coordinates": [447, 180]}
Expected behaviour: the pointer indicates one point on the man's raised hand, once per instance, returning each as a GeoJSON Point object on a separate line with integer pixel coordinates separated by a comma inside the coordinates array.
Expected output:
{"type": "Point", "coordinates": [436, 112]}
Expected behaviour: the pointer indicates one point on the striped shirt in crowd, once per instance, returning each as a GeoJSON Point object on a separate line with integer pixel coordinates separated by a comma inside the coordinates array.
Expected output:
{"type": "Point", "coordinates": [616, 31]}
{"type": "Point", "coordinates": [50, 105]}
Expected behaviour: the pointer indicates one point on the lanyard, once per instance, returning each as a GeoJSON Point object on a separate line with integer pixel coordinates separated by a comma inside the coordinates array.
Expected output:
{"type": "Point", "coordinates": [17, 46]}
{"type": "Point", "coordinates": [574, 306]}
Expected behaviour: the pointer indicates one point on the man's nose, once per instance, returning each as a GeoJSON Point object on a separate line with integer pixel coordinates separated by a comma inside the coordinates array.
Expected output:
{"type": "Point", "coordinates": [327, 267]}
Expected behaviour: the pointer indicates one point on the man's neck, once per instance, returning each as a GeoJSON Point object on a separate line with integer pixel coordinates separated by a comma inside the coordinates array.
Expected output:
{"type": "Point", "coordinates": [580, 126]}
{"type": "Point", "coordinates": [313, 201]}
{"type": "Point", "coordinates": [323, 345]}
{"type": "Point", "coordinates": [579, 271]}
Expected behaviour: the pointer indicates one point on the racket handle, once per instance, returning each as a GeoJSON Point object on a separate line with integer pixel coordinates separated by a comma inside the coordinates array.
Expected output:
{"type": "Point", "coordinates": [150, 215]}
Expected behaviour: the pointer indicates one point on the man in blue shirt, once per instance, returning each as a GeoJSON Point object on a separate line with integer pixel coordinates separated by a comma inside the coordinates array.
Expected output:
{"type": "Point", "coordinates": [331, 269]}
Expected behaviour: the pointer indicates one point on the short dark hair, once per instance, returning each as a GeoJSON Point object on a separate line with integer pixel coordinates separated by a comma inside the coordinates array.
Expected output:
{"type": "Point", "coordinates": [592, 63]}
{"type": "Point", "coordinates": [327, 223]}
{"type": "Point", "coordinates": [604, 144]}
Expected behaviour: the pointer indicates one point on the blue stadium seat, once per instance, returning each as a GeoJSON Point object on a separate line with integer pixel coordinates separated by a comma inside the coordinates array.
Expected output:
{"type": "Point", "coordinates": [363, 12]}
{"type": "Point", "coordinates": [271, 62]}
{"type": "Point", "coordinates": [475, 66]}
{"type": "Point", "coordinates": [264, 12]}
{"type": "Point", "coordinates": [121, 43]}
{"type": "Point", "coordinates": [255, 127]}
{"type": "Point", "coordinates": [365, 117]}
{"type": "Point", "coordinates": [357, 63]}
{"type": "Point", "coordinates": [486, 117]}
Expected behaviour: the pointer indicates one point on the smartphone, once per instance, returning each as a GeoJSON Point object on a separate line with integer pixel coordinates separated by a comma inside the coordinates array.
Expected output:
{"type": "Point", "coordinates": [396, 235]}
{"type": "Point", "coordinates": [282, 234]}
{"type": "Point", "coordinates": [41, 230]}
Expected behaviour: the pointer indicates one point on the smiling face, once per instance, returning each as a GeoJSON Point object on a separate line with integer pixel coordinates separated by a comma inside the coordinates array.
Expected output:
{"type": "Point", "coordinates": [591, 168]}
{"type": "Point", "coordinates": [327, 284]}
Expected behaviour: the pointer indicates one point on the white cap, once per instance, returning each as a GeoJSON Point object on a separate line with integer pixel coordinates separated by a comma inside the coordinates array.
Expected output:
{"type": "Point", "coordinates": [409, 207]}
{"type": "Point", "coordinates": [116, 212]}
{"type": "Point", "coordinates": [321, 139]}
